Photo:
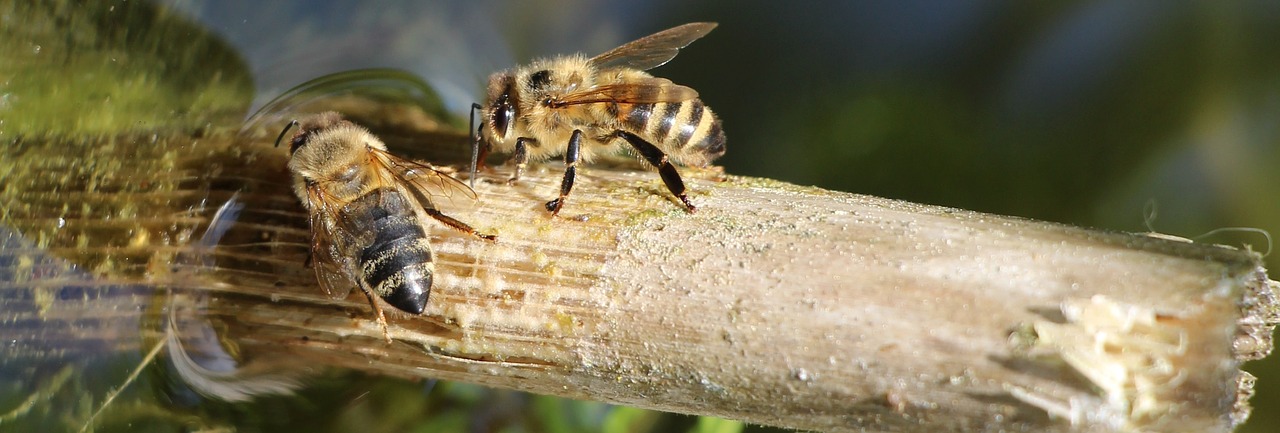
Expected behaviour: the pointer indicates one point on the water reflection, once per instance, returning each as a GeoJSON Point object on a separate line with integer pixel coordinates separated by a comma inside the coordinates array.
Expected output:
{"type": "Point", "coordinates": [195, 351]}
{"type": "Point", "coordinates": [42, 289]}
{"type": "Point", "coordinates": [376, 95]}
{"type": "Point", "coordinates": [54, 333]}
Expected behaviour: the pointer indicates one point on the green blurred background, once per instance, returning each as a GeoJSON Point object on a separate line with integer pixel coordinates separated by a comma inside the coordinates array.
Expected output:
{"type": "Point", "coordinates": [1120, 115]}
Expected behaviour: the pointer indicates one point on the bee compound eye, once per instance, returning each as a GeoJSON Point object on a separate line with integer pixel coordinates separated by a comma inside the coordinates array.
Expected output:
{"type": "Point", "coordinates": [297, 142]}
{"type": "Point", "coordinates": [502, 119]}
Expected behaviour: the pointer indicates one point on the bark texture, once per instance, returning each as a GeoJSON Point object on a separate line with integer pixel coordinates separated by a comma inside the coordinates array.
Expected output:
{"type": "Point", "coordinates": [775, 304]}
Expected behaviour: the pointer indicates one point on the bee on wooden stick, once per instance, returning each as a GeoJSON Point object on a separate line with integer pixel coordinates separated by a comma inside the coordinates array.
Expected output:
{"type": "Point", "coordinates": [579, 107]}
{"type": "Point", "coordinates": [368, 212]}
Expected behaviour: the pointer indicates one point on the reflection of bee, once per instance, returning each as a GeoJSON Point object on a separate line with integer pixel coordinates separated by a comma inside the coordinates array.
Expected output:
{"type": "Point", "coordinates": [368, 209]}
{"type": "Point", "coordinates": [576, 106]}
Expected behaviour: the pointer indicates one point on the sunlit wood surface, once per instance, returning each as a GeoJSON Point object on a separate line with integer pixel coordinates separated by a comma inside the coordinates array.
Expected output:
{"type": "Point", "coordinates": [775, 303]}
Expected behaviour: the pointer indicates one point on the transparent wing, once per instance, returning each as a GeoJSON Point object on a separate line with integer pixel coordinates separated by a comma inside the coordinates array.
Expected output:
{"type": "Point", "coordinates": [654, 50]}
{"type": "Point", "coordinates": [421, 178]}
{"type": "Point", "coordinates": [419, 181]}
{"type": "Point", "coordinates": [645, 91]}
{"type": "Point", "coordinates": [336, 273]}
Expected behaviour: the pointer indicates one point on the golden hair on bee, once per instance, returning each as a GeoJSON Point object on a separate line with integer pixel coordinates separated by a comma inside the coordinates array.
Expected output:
{"type": "Point", "coordinates": [368, 210]}
{"type": "Point", "coordinates": [328, 151]}
{"type": "Point", "coordinates": [578, 107]}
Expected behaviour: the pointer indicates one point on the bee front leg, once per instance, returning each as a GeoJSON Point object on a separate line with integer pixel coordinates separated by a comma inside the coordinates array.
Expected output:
{"type": "Point", "coordinates": [479, 146]}
{"type": "Point", "coordinates": [521, 157]}
{"type": "Point", "coordinates": [570, 170]}
{"type": "Point", "coordinates": [654, 155]}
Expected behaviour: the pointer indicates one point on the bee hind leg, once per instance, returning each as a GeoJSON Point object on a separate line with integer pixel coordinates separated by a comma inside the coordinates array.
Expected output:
{"type": "Point", "coordinates": [452, 222]}
{"type": "Point", "coordinates": [377, 310]}
{"type": "Point", "coordinates": [458, 225]}
{"type": "Point", "coordinates": [670, 177]}
{"type": "Point", "coordinates": [570, 171]}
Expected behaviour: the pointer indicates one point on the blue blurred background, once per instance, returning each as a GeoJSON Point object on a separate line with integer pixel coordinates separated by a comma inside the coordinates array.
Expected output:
{"type": "Point", "coordinates": [1122, 115]}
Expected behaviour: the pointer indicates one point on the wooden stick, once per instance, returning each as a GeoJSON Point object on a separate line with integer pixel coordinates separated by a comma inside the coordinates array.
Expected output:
{"type": "Point", "coordinates": [775, 304]}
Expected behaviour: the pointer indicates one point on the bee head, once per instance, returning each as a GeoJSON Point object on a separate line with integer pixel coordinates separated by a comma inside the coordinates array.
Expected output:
{"type": "Point", "coordinates": [308, 127]}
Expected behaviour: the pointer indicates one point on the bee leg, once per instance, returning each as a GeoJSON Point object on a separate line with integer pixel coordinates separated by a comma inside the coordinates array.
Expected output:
{"type": "Point", "coordinates": [478, 150]}
{"type": "Point", "coordinates": [570, 170]}
{"type": "Point", "coordinates": [377, 310]}
{"type": "Point", "coordinates": [670, 176]}
{"type": "Point", "coordinates": [431, 211]}
{"type": "Point", "coordinates": [481, 154]}
{"type": "Point", "coordinates": [521, 157]}
{"type": "Point", "coordinates": [457, 225]}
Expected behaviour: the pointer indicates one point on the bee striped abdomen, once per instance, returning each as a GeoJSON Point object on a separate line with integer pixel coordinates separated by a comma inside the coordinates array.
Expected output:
{"type": "Point", "coordinates": [664, 120]}
{"type": "Point", "coordinates": [397, 264]}
{"type": "Point", "coordinates": [636, 116]}
{"type": "Point", "coordinates": [691, 114]}
{"type": "Point", "coordinates": [688, 130]}
{"type": "Point", "coordinates": [712, 144]}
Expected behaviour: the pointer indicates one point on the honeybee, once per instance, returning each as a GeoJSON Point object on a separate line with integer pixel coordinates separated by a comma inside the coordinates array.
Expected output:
{"type": "Point", "coordinates": [578, 107]}
{"type": "Point", "coordinates": [368, 209]}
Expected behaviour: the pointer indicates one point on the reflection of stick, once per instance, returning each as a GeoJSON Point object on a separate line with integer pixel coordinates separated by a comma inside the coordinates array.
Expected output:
{"type": "Point", "coordinates": [232, 385]}
{"type": "Point", "coordinates": [127, 381]}
{"type": "Point", "coordinates": [218, 226]}
{"type": "Point", "coordinates": [228, 383]}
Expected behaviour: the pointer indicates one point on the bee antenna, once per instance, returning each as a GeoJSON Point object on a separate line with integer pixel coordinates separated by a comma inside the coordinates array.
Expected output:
{"type": "Point", "coordinates": [475, 142]}
{"type": "Point", "coordinates": [292, 123]}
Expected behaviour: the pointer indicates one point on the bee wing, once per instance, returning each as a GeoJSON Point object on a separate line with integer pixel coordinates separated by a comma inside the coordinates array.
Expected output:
{"type": "Point", "coordinates": [420, 178]}
{"type": "Point", "coordinates": [420, 181]}
{"type": "Point", "coordinates": [654, 50]}
{"type": "Point", "coordinates": [336, 273]}
{"type": "Point", "coordinates": [643, 91]}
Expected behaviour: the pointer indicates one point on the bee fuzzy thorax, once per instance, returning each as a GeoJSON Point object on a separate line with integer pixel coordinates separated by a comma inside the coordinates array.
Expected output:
{"type": "Point", "coordinates": [558, 75]}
